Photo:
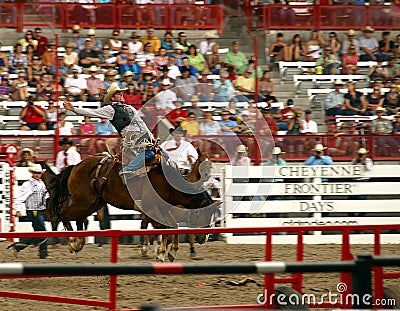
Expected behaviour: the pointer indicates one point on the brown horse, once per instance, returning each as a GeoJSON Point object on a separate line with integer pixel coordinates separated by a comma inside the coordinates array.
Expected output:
{"type": "Point", "coordinates": [96, 181]}
{"type": "Point", "coordinates": [200, 173]}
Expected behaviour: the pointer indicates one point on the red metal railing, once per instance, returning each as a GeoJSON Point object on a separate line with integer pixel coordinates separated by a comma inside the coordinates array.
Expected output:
{"type": "Point", "coordinates": [296, 279]}
{"type": "Point", "coordinates": [64, 15]}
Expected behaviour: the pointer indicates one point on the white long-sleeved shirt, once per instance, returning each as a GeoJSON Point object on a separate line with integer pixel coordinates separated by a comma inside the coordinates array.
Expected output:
{"type": "Point", "coordinates": [73, 158]}
{"type": "Point", "coordinates": [180, 154]}
{"type": "Point", "coordinates": [33, 193]}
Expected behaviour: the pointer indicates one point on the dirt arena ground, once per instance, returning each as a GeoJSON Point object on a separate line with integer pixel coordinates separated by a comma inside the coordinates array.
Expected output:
{"type": "Point", "coordinates": [168, 290]}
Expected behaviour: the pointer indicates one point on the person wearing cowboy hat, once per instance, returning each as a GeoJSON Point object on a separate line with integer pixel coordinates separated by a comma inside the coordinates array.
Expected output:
{"type": "Point", "coordinates": [77, 41]}
{"type": "Point", "coordinates": [34, 194]}
{"type": "Point", "coordinates": [127, 122]}
{"type": "Point", "coordinates": [194, 108]}
{"type": "Point", "coordinates": [178, 114]}
{"type": "Point", "coordinates": [350, 40]}
{"type": "Point", "coordinates": [75, 86]}
{"type": "Point", "coordinates": [362, 159]}
{"type": "Point", "coordinates": [25, 158]}
{"type": "Point", "coordinates": [369, 46]}
{"type": "Point", "coordinates": [318, 157]}
{"type": "Point", "coordinates": [135, 46]}
{"type": "Point", "coordinates": [180, 151]}
{"type": "Point", "coordinates": [206, 45]}
{"type": "Point", "coordinates": [68, 155]}
{"type": "Point", "coordinates": [241, 158]}
{"type": "Point", "coordinates": [334, 101]}
{"type": "Point", "coordinates": [165, 98]}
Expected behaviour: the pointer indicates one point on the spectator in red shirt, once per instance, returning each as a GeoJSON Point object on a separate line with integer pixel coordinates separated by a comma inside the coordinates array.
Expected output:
{"type": "Point", "coordinates": [42, 41]}
{"type": "Point", "coordinates": [268, 125]}
{"type": "Point", "coordinates": [177, 115]}
{"type": "Point", "coordinates": [132, 96]}
{"type": "Point", "coordinates": [287, 115]}
{"type": "Point", "coordinates": [33, 116]}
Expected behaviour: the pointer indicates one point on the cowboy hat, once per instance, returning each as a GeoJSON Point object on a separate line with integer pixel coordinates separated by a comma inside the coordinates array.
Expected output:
{"type": "Point", "coordinates": [22, 151]}
{"type": "Point", "coordinates": [134, 35]}
{"type": "Point", "coordinates": [93, 68]}
{"type": "Point", "coordinates": [338, 82]}
{"type": "Point", "coordinates": [65, 141]}
{"type": "Point", "coordinates": [165, 82]}
{"type": "Point", "coordinates": [380, 109]}
{"type": "Point", "coordinates": [351, 32]}
{"type": "Point", "coordinates": [177, 130]}
{"type": "Point", "coordinates": [69, 45]}
{"type": "Point", "coordinates": [91, 32]}
{"type": "Point", "coordinates": [194, 98]}
{"type": "Point", "coordinates": [129, 73]}
{"type": "Point", "coordinates": [362, 151]}
{"type": "Point", "coordinates": [111, 91]}
{"type": "Point", "coordinates": [277, 150]}
{"type": "Point", "coordinates": [397, 115]}
{"type": "Point", "coordinates": [319, 147]}
{"type": "Point", "coordinates": [210, 35]}
{"type": "Point", "coordinates": [241, 148]}
{"type": "Point", "coordinates": [36, 168]}
{"type": "Point", "coordinates": [368, 29]}
{"type": "Point", "coordinates": [76, 28]}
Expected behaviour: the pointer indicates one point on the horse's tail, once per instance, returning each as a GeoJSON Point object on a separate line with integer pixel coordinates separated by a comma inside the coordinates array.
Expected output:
{"type": "Point", "coordinates": [60, 194]}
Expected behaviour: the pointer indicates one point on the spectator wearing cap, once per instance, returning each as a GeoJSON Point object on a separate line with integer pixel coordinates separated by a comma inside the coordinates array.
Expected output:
{"type": "Point", "coordinates": [386, 46]}
{"type": "Point", "coordinates": [164, 70]}
{"type": "Point", "coordinates": [95, 44]}
{"type": "Point", "coordinates": [42, 41]}
{"type": "Point", "coordinates": [246, 87]}
{"type": "Point", "coordinates": [194, 108]}
{"type": "Point", "coordinates": [286, 115]}
{"type": "Point", "coordinates": [318, 157]}
{"type": "Point", "coordinates": [77, 41]}
{"type": "Point", "coordinates": [17, 61]}
{"type": "Point", "coordinates": [132, 95]}
{"type": "Point", "coordinates": [67, 156]}
{"type": "Point", "coordinates": [235, 60]}
{"type": "Point", "coordinates": [168, 43]}
{"type": "Point", "coordinates": [350, 40]}
{"type": "Point", "coordinates": [355, 102]}
{"type": "Point", "coordinates": [19, 87]}
{"type": "Point", "coordinates": [33, 116]}
{"type": "Point", "coordinates": [135, 46]}
{"type": "Point", "coordinates": [145, 55]}
{"type": "Point", "coordinates": [173, 69]}
{"type": "Point", "coordinates": [162, 58]}
{"type": "Point", "coordinates": [334, 101]}
{"type": "Point", "coordinates": [177, 114]}
{"type": "Point", "coordinates": [75, 87]}
{"type": "Point", "coordinates": [88, 57]}
{"type": "Point", "coordinates": [132, 66]}
{"type": "Point", "coordinates": [186, 85]}
{"type": "Point", "coordinates": [28, 39]}
{"type": "Point", "coordinates": [381, 126]}
{"type": "Point", "coordinates": [369, 46]}
{"type": "Point", "coordinates": [192, 69]}
{"type": "Point", "coordinates": [155, 43]}
{"type": "Point", "coordinates": [329, 62]}
{"type": "Point", "coordinates": [223, 88]}
{"type": "Point", "coordinates": [165, 98]}
{"type": "Point", "coordinates": [114, 42]}
{"type": "Point", "coordinates": [70, 57]}
{"type": "Point", "coordinates": [179, 55]}
{"type": "Point", "coordinates": [95, 87]}
{"type": "Point", "coordinates": [309, 125]}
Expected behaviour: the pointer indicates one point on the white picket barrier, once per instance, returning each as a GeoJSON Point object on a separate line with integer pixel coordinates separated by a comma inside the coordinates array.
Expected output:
{"type": "Point", "coordinates": [301, 199]}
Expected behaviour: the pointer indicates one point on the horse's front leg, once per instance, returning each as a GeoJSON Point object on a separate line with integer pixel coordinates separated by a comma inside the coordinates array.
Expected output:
{"type": "Point", "coordinates": [163, 248]}
{"type": "Point", "coordinates": [76, 244]}
{"type": "Point", "coordinates": [146, 242]}
{"type": "Point", "coordinates": [191, 242]}
{"type": "Point", "coordinates": [174, 248]}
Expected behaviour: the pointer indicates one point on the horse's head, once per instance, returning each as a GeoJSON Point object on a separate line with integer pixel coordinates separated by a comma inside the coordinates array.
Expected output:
{"type": "Point", "coordinates": [201, 169]}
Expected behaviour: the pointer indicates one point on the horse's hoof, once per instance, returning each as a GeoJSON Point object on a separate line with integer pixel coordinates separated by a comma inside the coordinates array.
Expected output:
{"type": "Point", "coordinates": [143, 251]}
{"type": "Point", "coordinates": [193, 255]}
{"type": "Point", "coordinates": [171, 258]}
{"type": "Point", "coordinates": [158, 259]}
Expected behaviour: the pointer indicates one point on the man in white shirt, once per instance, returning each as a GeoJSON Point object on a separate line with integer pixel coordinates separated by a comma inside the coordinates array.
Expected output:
{"type": "Point", "coordinates": [75, 86]}
{"type": "Point", "coordinates": [174, 71]}
{"type": "Point", "coordinates": [309, 125]}
{"type": "Point", "coordinates": [67, 156]}
{"type": "Point", "coordinates": [180, 151]}
{"type": "Point", "coordinates": [165, 98]}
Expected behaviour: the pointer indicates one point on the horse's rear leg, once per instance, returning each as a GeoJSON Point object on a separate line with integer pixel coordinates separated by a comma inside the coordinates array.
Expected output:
{"type": "Point", "coordinates": [174, 248]}
{"type": "Point", "coordinates": [163, 248]}
{"type": "Point", "coordinates": [191, 242]}
{"type": "Point", "coordinates": [146, 242]}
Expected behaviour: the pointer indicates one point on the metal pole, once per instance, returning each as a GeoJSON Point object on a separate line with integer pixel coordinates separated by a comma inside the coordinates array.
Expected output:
{"type": "Point", "coordinates": [362, 284]}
